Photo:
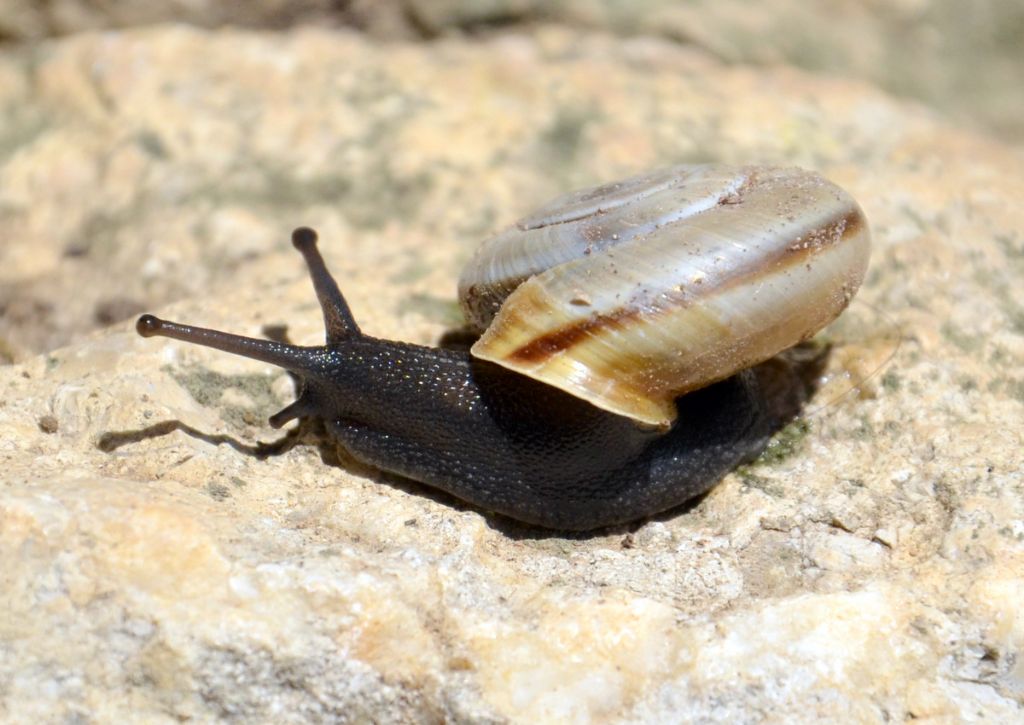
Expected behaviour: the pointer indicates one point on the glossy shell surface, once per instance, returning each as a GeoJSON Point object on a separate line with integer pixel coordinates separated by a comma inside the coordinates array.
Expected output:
{"type": "Point", "coordinates": [630, 294]}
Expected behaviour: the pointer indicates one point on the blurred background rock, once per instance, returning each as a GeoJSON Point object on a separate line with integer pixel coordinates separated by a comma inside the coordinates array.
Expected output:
{"type": "Point", "coordinates": [963, 59]}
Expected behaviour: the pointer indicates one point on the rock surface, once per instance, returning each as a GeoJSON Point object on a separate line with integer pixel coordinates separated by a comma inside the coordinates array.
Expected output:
{"type": "Point", "coordinates": [963, 59]}
{"type": "Point", "coordinates": [160, 564]}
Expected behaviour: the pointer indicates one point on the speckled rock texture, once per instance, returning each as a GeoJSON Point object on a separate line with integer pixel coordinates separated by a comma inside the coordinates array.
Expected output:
{"type": "Point", "coordinates": [167, 556]}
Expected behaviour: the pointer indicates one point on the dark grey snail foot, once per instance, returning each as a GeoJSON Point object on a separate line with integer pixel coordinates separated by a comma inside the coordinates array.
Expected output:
{"type": "Point", "coordinates": [461, 338]}
{"type": "Point", "coordinates": [719, 427]}
{"type": "Point", "coordinates": [790, 379]}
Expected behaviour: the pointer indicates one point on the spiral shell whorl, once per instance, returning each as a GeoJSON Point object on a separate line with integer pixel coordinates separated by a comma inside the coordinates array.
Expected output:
{"type": "Point", "coordinates": [630, 294]}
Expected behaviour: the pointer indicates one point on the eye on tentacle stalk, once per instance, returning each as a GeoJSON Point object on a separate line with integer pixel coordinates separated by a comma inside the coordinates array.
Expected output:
{"type": "Point", "coordinates": [339, 325]}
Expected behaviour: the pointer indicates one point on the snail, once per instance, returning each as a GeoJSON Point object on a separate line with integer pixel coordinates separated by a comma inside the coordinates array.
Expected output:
{"type": "Point", "coordinates": [617, 324]}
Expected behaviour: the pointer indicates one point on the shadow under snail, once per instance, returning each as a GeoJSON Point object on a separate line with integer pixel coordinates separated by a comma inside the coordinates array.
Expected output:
{"type": "Point", "coordinates": [618, 324]}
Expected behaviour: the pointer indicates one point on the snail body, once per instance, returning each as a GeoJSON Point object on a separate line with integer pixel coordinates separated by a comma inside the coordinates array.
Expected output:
{"type": "Point", "coordinates": [610, 381]}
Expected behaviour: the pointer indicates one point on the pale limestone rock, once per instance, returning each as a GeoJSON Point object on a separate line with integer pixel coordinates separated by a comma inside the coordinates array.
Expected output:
{"type": "Point", "coordinates": [964, 59]}
{"type": "Point", "coordinates": [961, 59]}
{"type": "Point", "coordinates": [24, 19]}
{"type": "Point", "coordinates": [870, 567]}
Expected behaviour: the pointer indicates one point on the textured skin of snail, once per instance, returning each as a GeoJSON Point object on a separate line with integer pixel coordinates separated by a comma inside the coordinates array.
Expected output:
{"type": "Point", "coordinates": [611, 384]}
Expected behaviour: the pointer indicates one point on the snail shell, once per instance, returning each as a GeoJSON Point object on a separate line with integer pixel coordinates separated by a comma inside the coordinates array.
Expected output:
{"type": "Point", "coordinates": [630, 294]}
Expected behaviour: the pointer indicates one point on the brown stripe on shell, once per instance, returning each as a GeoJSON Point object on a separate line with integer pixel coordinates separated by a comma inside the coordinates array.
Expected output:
{"type": "Point", "coordinates": [788, 255]}
{"type": "Point", "coordinates": [555, 342]}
